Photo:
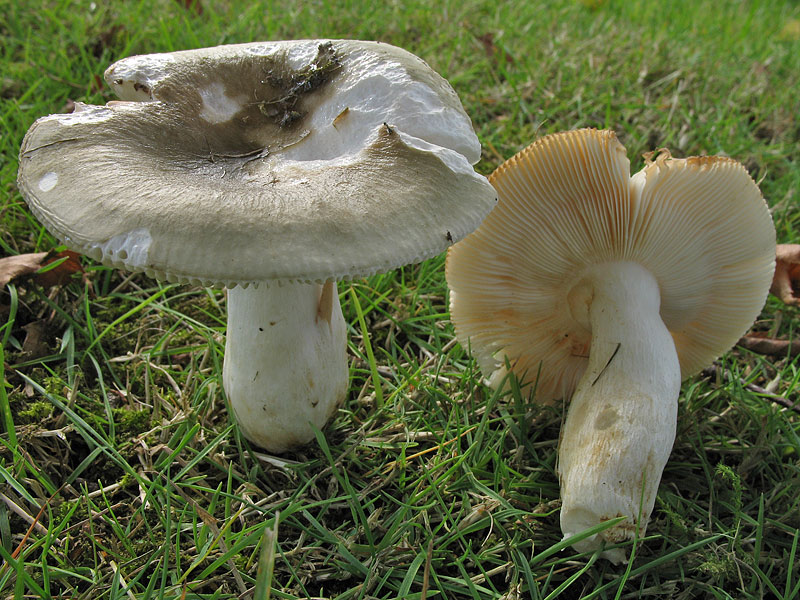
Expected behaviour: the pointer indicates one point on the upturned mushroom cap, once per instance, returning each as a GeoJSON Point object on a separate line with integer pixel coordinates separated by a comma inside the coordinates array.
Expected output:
{"type": "Point", "coordinates": [567, 202]}
{"type": "Point", "coordinates": [298, 161]}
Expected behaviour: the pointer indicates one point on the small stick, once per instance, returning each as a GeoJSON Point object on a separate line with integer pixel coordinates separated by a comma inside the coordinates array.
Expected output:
{"type": "Point", "coordinates": [32, 521]}
{"type": "Point", "coordinates": [716, 371]}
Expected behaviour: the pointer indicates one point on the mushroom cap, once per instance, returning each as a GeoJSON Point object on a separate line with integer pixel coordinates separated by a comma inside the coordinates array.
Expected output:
{"type": "Point", "coordinates": [566, 203]}
{"type": "Point", "coordinates": [304, 160]}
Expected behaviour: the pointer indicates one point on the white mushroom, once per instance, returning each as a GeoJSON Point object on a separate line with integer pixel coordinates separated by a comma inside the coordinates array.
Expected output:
{"type": "Point", "coordinates": [610, 289]}
{"type": "Point", "coordinates": [284, 164]}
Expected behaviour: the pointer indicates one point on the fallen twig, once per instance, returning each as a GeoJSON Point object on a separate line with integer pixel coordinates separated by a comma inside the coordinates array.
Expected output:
{"type": "Point", "coordinates": [770, 346]}
{"type": "Point", "coordinates": [715, 372]}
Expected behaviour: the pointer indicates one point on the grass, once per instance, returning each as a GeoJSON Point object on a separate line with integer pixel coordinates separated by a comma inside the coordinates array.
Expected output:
{"type": "Point", "coordinates": [122, 475]}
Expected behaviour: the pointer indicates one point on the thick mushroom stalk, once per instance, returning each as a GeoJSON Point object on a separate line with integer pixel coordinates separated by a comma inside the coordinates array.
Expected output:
{"type": "Point", "coordinates": [620, 426]}
{"type": "Point", "coordinates": [285, 369]}
{"type": "Point", "coordinates": [608, 289]}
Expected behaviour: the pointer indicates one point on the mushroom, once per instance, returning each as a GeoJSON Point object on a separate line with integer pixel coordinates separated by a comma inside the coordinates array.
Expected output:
{"type": "Point", "coordinates": [786, 281]}
{"type": "Point", "coordinates": [272, 168]}
{"type": "Point", "coordinates": [609, 289]}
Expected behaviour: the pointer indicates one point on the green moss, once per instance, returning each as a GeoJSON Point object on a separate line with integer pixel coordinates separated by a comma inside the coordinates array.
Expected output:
{"type": "Point", "coordinates": [15, 397]}
{"type": "Point", "coordinates": [730, 476]}
{"type": "Point", "coordinates": [127, 480]}
{"type": "Point", "coordinates": [62, 511]}
{"type": "Point", "coordinates": [241, 561]}
{"type": "Point", "coordinates": [720, 568]}
{"type": "Point", "coordinates": [54, 385]}
{"type": "Point", "coordinates": [36, 411]}
{"type": "Point", "coordinates": [130, 422]}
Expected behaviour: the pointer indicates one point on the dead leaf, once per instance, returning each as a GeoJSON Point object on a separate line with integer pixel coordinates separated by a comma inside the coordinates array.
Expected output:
{"type": "Point", "coordinates": [35, 345]}
{"type": "Point", "coordinates": [786, 281]}
{"type": "Point", "coordinates": [61, 273]}
{"type": "Point", "coordinates": [23, 265]}
{"type": "Point", "coordinates": [12, 267]}
{"type": "Point", "coordinates": [770, 346]}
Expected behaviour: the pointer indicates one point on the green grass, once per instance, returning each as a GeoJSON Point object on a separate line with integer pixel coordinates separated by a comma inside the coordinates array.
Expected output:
{"type": "Point", "coordinates": [121, 473]}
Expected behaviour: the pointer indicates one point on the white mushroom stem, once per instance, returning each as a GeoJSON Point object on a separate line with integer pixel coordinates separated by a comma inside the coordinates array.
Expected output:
{"type": "Point", "coordinates": [620, 426]}
{"type": "Point", "coordinates": [285, 368]}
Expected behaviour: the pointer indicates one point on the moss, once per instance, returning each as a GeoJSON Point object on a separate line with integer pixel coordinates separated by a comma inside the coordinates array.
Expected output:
{"type": "Point", "coordinates": [127, 480]}
{"type": "Point", "coordinates": [241, 561]}
{"type": "Point", "coordinates": [54, 385]}
{"type": "Point", "coordinates": [36, 412]}
{"type": "Point", "coordinates": [730, 476]}
{"type": "Point", "coordinates": [16, 397]}
{"type": "Point", "coordinates": [198, 307]}
{"type": "Point", "coordinates": [62, 511]}
{"type": "Point", "coordinates": [130, 422]}
{"type": "Point", "coordinates": [718, 568]}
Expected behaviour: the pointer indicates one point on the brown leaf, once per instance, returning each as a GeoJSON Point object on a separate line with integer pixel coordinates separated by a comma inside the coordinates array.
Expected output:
{"type": "Point", "coordinates": [60, 274]}
{"type": "Point", "coordinates": [770, 346]}
{"type": "Point", "coordinates": [786, 281]}
{"type": "Point", "coordinates": [12, 267]}
{"type": "Point", "coordinates": [35, 344]}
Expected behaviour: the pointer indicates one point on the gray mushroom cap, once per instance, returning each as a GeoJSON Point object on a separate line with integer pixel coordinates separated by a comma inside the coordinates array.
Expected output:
{"type": "Point", "coordinates": [293, 161]}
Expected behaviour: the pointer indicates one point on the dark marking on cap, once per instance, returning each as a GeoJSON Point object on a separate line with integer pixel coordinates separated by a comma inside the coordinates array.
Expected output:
{"type": "Point", "coordinates": [293, 85]}
{"type": "Point", "coordinates": [274, 101]}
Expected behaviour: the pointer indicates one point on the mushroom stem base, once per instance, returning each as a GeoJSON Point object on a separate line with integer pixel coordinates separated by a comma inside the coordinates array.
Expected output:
{"type": "Point", "coordinates": [621, 422]}
{"type": "Point", "coordinates": [285, 369]}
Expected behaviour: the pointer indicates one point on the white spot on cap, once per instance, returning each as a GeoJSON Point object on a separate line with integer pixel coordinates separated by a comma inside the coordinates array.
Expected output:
{"type": "Point", "coordinates": [48, 181]}
{"type": "Point", "coordinates": [217, 107]}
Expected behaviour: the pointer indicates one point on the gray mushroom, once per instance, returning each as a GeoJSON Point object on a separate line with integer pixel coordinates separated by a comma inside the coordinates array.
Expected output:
{"type": "Point", "coordinates": [274, 169]}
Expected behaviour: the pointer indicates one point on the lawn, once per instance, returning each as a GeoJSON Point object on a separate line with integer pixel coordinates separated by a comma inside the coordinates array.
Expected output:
{"type": "Point", "coordinates": [123, 475]}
